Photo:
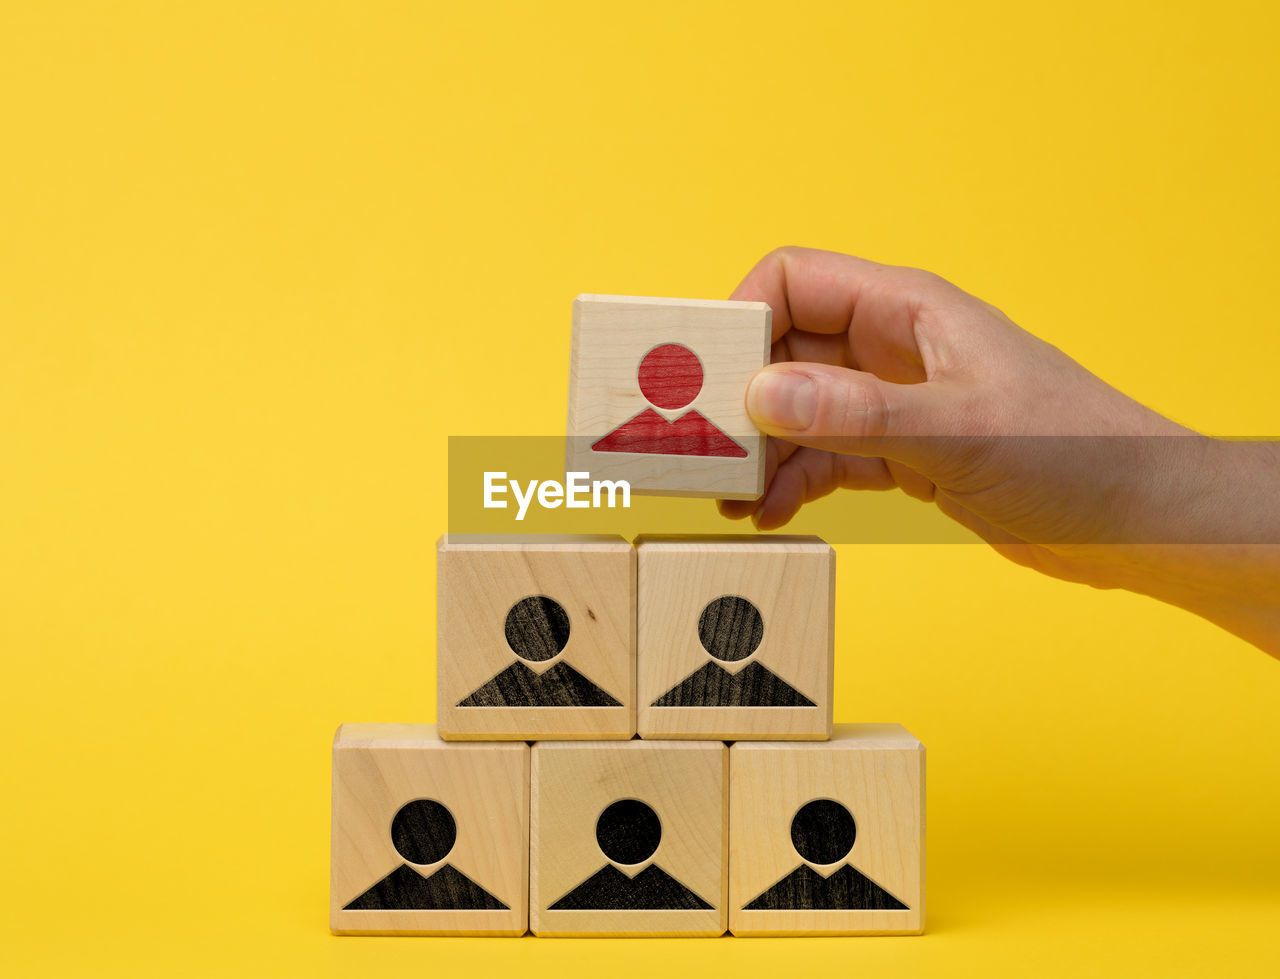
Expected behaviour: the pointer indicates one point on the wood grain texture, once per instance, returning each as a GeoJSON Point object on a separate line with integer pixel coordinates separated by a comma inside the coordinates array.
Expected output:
{"type": "Point", "coordinates": [611, 337]}
{"type": "Point", "coordinates": [500, 676]}
{"type": "Point", "coordinates": [705, 667]}
{"type": "Point", "coordinates": [875, 773]}
{"type": "Point", "coordinates": [480, 862]}
{"type": "Point", "coordinates": [677, 889]}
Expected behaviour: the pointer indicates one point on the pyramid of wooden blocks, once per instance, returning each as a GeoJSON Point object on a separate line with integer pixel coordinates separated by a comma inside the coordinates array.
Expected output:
{"type": "Point", "coordinates": [536, 637]}
{"type": "Point", "coordinates": [629, 838]}
{"type": "Point", "coordinates": [735, 637]}
{"type": "Point", "coordinates": [429, 838]}
{"type": "Point", "coordinates": [569, 642]}
{"type": "Point", "coordinates": [828, 839]}
{"type": "Point", "coordinates": [657, 394]}
{"type": "Point", "coordinates": [577, 781]}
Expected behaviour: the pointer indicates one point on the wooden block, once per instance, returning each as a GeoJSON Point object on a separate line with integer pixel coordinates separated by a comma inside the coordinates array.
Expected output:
{"type": "Point", "coordinates": [657, 394]}
{"type": "Point", "coordinates": [735, 637]}
{"type": "Point", "coordinates": [536, 637]}
{"type": "Point", "coordinates": [828, 839]}
{"type": "Point", "coordinates": [628, 838]}
{"type": "Point", "coordinates": [429, 838]}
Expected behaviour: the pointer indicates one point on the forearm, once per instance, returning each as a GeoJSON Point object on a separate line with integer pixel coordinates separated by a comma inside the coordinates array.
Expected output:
{"type": "Point", "coordinates": [1221, 556]}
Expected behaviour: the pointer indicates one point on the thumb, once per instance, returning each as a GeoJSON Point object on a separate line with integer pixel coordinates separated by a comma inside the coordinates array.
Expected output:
{"type": "Point", "coordinates": [853, 412]}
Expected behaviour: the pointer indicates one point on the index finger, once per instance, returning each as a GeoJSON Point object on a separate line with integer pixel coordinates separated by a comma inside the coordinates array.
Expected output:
{"type": "Point", "coordinates": [808, 289]}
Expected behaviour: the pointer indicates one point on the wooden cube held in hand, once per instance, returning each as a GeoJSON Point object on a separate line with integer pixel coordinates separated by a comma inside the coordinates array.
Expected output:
{"type": "Point", "coordinates": [657, 394]}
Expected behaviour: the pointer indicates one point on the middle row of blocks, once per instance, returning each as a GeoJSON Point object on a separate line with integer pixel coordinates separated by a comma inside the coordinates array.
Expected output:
{"type": "Point", "coordinates": [582, 637]}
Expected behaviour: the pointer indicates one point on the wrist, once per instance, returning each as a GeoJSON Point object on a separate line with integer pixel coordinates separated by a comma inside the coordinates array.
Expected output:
{"type": "Point", "coordinates": [1209, 538]}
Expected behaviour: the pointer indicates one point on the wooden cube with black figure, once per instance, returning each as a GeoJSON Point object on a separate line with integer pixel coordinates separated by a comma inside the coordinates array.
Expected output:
{"type": "Point", "coordinates": [428, 838]}
{"type": "Point", "coordinates": [734, 637]}
{"type": "Point", "coordinates": [628, 838]}
{"type": "Point", "coordinates": [536, 637]}
{"type": "Point", "coordinates": [828, 839]}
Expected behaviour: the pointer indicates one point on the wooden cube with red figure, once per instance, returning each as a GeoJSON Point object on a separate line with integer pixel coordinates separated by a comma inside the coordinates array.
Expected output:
{"type": "Point", "coordinates": [657, 394]}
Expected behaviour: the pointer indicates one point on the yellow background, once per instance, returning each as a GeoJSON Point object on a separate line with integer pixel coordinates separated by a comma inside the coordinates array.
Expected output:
{"type": "Point", "coordinates": [258, 261]}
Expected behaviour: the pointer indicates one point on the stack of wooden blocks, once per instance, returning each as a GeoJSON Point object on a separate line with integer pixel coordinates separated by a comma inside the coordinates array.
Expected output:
{"type": "Point", "coordinates": [630, 740]}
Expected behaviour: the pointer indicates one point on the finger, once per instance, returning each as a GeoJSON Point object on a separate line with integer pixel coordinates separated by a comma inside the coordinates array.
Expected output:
{"type": "Point", "coordinates": [821, 292]}
{"type": "Point", "coordinates": [816, 348]}
{"type": "Point", "coordinates": [776, 452]}
{"type": "Point", "coordinates": [736, 509]}
{"type": "Point", "coordinates": [911, 482]}
{"type": "Point", "coordinates": [810, 474]}
{"type": "Point", "coordinates": [807, 289]}
{"type": "Point", "coordinates": [849, 411]}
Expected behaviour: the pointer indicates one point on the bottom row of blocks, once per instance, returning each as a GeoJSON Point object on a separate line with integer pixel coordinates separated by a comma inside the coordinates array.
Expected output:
{"type": "Point", "coordinates": [627, 837]}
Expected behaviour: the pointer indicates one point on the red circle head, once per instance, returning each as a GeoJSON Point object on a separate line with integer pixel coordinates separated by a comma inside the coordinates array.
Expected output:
{"type": "Point", "coordinates": [670, 376]}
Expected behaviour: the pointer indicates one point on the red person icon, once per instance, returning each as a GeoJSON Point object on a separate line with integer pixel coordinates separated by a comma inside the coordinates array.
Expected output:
{"type": "Point", "coordinates": [670, 377]}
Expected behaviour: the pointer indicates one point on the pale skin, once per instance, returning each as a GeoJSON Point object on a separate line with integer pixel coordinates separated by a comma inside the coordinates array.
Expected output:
{"type": "Point", "coordinates": [887, 377]}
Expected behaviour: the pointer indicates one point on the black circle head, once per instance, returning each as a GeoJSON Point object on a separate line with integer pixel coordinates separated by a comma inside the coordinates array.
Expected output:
{"type": "Point", "coordinates": [423, 831]}
{"type": "Point", "coordinates": [628, 831]}
{"type": "Point", "coordinates": [730, 628]}
{"type": "Point", "coordinates": [537, 628]}
{"type": "Point", "coordinates": [823, 831]}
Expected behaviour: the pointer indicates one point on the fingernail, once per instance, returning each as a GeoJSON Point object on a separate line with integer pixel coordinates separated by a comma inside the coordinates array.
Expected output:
{"type": "Point", "coordinates": [781, 399]}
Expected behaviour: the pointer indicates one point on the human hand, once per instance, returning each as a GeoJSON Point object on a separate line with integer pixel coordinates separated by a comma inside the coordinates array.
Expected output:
{"type": "Point", "coordinates": [885, 376]}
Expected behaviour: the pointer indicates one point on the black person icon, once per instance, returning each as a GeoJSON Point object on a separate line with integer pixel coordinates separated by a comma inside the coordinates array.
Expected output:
{"type": "Point", "coordinates": [823, 831]}
{"type": "Point", "coordinates": [628, 833]}
{"type": "Point", "coordinates": [670, 377]}
{"type": "Point", "coordinates": [537, 630]}
{"type": "Point", "coordinates": [423, 832]}
{"type": "Point", "coordinates": [730, 629]}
